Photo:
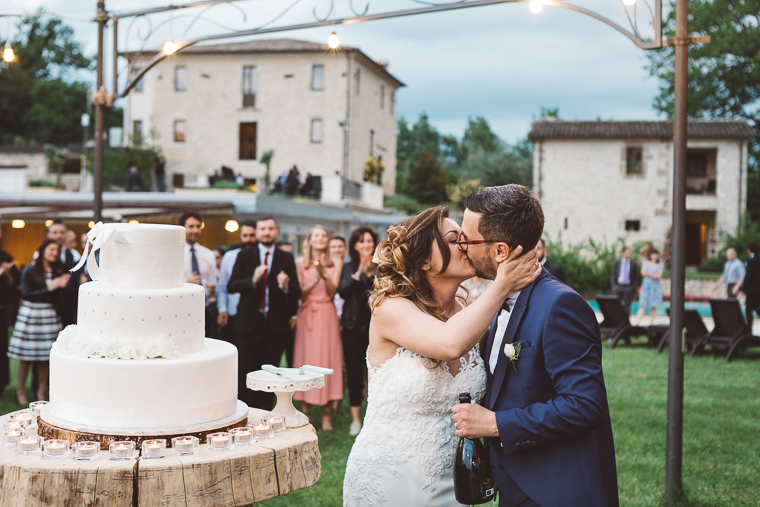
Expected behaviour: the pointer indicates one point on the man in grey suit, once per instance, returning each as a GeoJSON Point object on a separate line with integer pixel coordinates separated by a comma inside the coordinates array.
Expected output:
{"type": "Point", "coordinates": [625, 278]}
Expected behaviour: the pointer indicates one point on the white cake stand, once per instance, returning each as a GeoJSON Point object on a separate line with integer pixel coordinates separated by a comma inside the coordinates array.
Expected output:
{"type": "Point", "coordinates": [284, 386]}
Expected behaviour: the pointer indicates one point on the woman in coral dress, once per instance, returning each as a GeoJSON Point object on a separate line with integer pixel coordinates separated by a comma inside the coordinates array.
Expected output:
{"type": "Point", "coordinates": [317, 339]}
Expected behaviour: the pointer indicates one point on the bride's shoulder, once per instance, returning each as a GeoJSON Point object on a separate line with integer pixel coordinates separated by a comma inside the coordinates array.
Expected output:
{"type": "Point", "coordinates": [390, 306]}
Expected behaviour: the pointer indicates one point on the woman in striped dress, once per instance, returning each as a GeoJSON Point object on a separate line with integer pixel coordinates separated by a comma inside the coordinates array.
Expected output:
{"type": "Point", "coordinates": [38, 323]}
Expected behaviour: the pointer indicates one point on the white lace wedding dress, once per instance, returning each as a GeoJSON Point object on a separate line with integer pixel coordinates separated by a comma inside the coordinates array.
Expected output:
{"type": "Point", "coordinates": [404, 454]}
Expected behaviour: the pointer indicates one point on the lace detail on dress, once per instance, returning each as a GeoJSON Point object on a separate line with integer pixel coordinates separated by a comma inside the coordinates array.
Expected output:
{"type": "Point", "coordinates": [409, 423]}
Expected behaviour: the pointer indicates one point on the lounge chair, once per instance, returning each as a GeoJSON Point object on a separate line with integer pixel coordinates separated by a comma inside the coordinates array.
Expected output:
{"type": "Point", "coordinates": [696, 332]}
{"type": "Point", "coordinates": [731, 330]}
{"type": "Point", "coordinates": [616, 324]}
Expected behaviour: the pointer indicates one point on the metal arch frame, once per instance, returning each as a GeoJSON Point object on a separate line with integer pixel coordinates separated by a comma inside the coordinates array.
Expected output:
{"type": "Point", "coordinates": [657, 43]}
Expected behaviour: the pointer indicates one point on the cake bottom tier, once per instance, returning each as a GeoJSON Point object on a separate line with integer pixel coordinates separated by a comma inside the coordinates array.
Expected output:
{"type": "Point", "coordinates": [154, 393]}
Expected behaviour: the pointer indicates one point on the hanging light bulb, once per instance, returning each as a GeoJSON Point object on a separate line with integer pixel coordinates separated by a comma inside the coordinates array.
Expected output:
{"type": "Point", "coordinates": [629, 2]}
{"type": "Point", "coordinates": [170, 47]}
{"type": "Point", "coordinates": [536, 6]}
{"type": "Point", "coordinates": [8, 55]}
{"type": "Point", "coordinates": [333, 41]}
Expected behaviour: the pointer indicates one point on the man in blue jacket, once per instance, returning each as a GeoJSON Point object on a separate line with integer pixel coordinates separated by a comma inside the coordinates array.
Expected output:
{"type": "Point", "coordinates": [546, 420]}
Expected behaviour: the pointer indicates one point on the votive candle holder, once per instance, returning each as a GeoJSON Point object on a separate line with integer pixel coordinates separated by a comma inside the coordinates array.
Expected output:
{"type": "Point", "coordinates": [262, 430]}
{"type": "Point", "coordinates": [35, 407]}
{"type": "Point", "coordinates": [122, 449]}
{"type": "Point", "coordinates": [86, 451]}
{"type": "Point", "coordinates": [25, 419]}
{"type": "Point", "coordinates": [11, 434]}
{"type": "Point", "coordinates": [29, 444]}
{"type": "Point", "coordinates": [243, 436]}
{"type": "Point", "coordinates": [277, 422]}
{"type": "Point", "coordinates": [153, 449]}
{"type": "Point", "coordinates": [186, 445]}
{"type": "Point", "coordinates": [55, 449]}
{"type": "Point", "coordinates": [221, 441]}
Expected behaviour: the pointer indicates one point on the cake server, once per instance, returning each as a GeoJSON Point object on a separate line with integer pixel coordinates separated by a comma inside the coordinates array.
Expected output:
{"type": "Point", "coordinates": [296, 371]}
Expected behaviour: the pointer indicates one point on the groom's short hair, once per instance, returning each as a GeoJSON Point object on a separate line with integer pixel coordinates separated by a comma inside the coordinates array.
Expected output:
{"type": "Point", "coordinates": [508, 213]}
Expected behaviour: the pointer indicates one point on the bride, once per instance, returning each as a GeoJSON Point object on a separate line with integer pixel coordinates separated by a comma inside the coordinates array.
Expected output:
{"type": "Point", "coordinates": [423, 351]}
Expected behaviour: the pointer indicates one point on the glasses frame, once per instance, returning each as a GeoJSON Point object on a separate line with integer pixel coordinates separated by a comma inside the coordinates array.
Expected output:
{"type": "Point", "coordinates": [464, 244]}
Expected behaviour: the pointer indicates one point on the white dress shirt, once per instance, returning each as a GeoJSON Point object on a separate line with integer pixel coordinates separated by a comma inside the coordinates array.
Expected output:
{"type": "Point", "coordinates": [206, 264]}
{"type": "Point", "coordinates": [501, 327]}
{"type": "Point", "coordinates": [262, 255]}
{"type": "Point", "coordinates": [226, 302]}
{"type": "Point", "coordinates": [624, 277]}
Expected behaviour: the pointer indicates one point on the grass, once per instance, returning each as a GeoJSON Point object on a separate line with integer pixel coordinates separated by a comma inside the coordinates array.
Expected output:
{"type": "Point", "coordinates": [721, 431]}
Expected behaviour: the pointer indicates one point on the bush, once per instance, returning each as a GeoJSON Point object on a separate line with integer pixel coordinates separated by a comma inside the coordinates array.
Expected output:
{"type": "Point", "coordinates": [42, 184]}
{"type": "Point", "coordinates": [712, 265]}
{"type": "Point", "coordinates": [401, 202]}
{"type": "Point", "coordinates": [749, 230]}
{"type": "Point", "coordinates": [588, 266]}
{"type": "Point", "coordinates": [229, 185]}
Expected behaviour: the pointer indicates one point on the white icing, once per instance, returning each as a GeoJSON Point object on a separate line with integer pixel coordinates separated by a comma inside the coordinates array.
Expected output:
{"type": "Point", "coordinates": [143, 314]}
{"type": "Point", "coordinates": [74, 342]}
{"type": "Point", "coordinates": [111, 393]}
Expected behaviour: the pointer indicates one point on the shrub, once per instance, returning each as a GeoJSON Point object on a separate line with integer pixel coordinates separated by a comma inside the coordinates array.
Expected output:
{"type": "Point", "coordinates": [227, 185]}
{"type": "Point", "coordinates": [401, 202]}
{"type": "Point", "coordinates": [42, 184]}
{"type": "Point", "coordinates": [712, 265]}
{"type": "Point", "coordinates": [588, 266]}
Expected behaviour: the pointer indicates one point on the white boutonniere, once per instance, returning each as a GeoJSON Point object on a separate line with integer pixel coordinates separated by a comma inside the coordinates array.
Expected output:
{"type": "Point", "coordinates": [513, 354]}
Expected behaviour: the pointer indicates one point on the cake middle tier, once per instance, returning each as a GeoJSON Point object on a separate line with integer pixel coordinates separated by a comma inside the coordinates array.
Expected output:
{"type": "Point", "coordinates": [128, 314]}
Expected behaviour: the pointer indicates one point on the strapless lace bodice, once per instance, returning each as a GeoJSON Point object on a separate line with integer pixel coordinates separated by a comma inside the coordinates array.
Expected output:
{"type": "Point", "coordinates": [408, 440]}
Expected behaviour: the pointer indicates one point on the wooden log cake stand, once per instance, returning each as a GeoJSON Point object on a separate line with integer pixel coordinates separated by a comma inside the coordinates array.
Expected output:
{"type": "Point", "coordinates": [241, 476]}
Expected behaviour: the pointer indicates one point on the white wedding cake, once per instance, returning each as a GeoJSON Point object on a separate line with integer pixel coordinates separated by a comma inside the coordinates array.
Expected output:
{"type": "Point", "coordinates": [138, 357]}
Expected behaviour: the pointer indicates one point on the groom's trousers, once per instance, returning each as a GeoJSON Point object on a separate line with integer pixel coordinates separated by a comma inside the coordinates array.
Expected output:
{"type": "Point", "coordinates": [514, 497]}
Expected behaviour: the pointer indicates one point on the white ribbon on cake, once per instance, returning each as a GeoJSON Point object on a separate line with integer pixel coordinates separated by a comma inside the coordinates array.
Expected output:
{"type": "Point", "coordinates": [73, 342]}
{"type": "Point", "coordinates": [96, 237]}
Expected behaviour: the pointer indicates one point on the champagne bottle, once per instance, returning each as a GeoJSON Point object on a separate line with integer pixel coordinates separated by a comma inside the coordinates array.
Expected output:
{"type": "Point", "coordinates": [473, 481]}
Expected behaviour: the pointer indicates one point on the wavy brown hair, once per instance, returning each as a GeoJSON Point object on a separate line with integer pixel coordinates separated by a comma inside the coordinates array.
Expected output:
{"type": "Point", "coordinates": [309, 252]}
{"type": "Point", "coordinates": [401, 255]}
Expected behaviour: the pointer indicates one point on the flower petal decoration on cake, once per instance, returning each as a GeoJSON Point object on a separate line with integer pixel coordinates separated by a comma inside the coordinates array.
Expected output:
{"type": "Point", "coordinates": [73, 342]}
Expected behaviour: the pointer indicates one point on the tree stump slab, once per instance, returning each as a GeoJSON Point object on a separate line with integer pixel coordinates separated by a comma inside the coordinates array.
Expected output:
{"type": "Point", "coordinates": [241, 476]}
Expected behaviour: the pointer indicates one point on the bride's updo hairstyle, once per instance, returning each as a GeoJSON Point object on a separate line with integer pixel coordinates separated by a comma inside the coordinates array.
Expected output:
{"type": "Point", "coordinates": [401, 255]}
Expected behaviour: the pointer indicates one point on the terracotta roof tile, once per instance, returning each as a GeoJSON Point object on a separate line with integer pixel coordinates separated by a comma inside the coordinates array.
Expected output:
{"type": "Point", "coordinates": [697, 129]}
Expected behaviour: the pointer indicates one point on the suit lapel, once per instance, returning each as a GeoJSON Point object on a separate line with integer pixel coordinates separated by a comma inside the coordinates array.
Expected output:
{"type": "Point", "coordinates": [515, 319]}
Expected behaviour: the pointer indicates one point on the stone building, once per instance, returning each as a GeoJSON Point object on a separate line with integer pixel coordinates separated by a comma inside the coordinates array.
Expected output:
{"type": "Point", "coordinates": [614, 179]}
{"type": "Point", "coordinates": [324, 111]}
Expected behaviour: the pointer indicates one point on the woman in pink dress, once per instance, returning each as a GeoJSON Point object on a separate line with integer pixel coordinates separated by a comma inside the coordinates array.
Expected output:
{"type": "Point", "coordinates": [317, 339]}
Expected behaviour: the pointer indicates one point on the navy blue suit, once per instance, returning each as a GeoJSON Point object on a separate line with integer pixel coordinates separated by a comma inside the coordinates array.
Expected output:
{"type": "Point", "coordinates": [555, 442]}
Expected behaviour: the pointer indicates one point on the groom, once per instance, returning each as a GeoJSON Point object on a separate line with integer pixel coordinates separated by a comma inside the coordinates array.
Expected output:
{"type": "Point", "coordinates": [547, 425]}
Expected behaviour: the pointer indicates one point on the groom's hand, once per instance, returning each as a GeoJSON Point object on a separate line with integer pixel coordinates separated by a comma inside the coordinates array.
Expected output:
{"type": "Point", "coordinates": [474, 421]}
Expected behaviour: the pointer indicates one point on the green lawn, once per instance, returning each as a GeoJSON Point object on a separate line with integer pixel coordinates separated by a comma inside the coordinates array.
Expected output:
{"type": "Point", "coordinates": [721, 427]}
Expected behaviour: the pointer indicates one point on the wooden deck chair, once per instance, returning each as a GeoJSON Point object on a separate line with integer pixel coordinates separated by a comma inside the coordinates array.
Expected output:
{"type": "Point", "coordinates": [696, 332]}
{"type": "Point", "coordinates": [616, 324]}
{"type": "Point", "coordinates": [731, 330]}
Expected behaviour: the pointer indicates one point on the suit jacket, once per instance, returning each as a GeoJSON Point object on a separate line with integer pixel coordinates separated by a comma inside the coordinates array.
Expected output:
{"type": "Point", "coordinates": [635, 275]}
{"type": "Point", "coordinates": [751, 285]}
{"type": "Point", "coordinates": [555, 270]}
{"type": "Point", "coordinates": [34, 286]}
{"type": "Point", "coordinates": [280, 302]}
{"type": "Point", "coordinates": [553, 418]}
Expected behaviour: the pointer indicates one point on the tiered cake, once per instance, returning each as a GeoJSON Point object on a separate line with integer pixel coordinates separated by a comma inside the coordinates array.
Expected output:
{"type": "Point", "coordinates": [138, 357]}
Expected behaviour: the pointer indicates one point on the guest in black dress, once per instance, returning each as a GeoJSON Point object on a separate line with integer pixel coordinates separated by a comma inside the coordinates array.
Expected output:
{"type": "Point", "coordinates": [9, 280]}
{"type": "Point", "coordinates": [38, 323]}
{"type": "Point", "coordinates": [355, 284]}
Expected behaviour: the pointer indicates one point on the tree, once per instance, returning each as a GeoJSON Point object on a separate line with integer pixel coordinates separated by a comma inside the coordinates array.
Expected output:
{"type": "Point", "coordinates": [427, 180]}
{"type": "Point", "coordinates": [724, 76]}
{"type": "Point", "coordinates": [478, 136]}
{"type": "Point", "coordinates": [508, 164]}
{"type": "Point", "coordinates": [410, 144]}
{"type": "Point", "coordinates": [56, 110]}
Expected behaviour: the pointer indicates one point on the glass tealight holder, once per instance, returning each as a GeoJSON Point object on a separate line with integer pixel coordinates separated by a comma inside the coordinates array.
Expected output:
{"type": "Point", "coordinates": [262, 430]}
{"type": "Point", "coordinates": [242, 436]}
{"type": "Point", "coordinates": [25, 419]}
{"type": "Point", "coordinates": [29, 444]}
{"type": "Point", "coordinates": [35, 407]}
{"type": "Point", "coordinates": [221, 441]}
{"type": "Point", "coordinates": [122, 449]}
{"type": "Point", "coordinates": [55, 449]}
{"type": "Point", "coordinates": [277, 422]}
{"type": "Point", "coordinates": [86, 451]}
{"type": "Point", "coordinates": [11, 434]}
{"type": "Point", "coordinates": [186, 445]}
{"type": "Point", "coordinates": [152, 449]}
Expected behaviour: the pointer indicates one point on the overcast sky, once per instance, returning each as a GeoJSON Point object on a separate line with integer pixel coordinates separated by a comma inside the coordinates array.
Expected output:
{"type": "Point", "coordinates": [502, 62]}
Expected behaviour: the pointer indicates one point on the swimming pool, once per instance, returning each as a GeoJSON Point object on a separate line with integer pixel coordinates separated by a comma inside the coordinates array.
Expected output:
{"type": "Point", "coordinates": [703, 307]}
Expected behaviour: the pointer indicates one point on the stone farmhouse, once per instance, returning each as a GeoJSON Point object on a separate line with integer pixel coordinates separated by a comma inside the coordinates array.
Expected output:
{"type": "Point", "coordinates": [323, 110]}
{"type": "Point", "coordinates": [614, 179]}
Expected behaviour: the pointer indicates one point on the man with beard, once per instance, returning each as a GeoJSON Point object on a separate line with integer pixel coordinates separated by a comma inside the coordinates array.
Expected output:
{"type": "Point", "coordinates": [227, 304]}
{"type": "Point", "coordinates": [268, 285]}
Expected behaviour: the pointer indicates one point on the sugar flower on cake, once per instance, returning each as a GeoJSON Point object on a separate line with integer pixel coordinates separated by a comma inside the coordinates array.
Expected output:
{"type": "Point", "coordinates": [73, 342]}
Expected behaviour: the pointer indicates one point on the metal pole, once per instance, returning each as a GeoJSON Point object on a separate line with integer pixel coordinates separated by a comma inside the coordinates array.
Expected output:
{"type": "Point", "coordinates": [674, 435]}
{"type": "Point", "coordinates": [97, 205]}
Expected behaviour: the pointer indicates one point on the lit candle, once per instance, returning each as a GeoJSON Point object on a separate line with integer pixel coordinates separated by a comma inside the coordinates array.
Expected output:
{"type": "Point", "coordinates": [56, 447]}
{"type": "Point", "coordinates": [242, 436]}
{"type": "Point", "coordinates": [86, 450]}
{"type": "Point", "coordinates": [28, 444]}
{"type": "Point", "coordinates": [219, 441]}
{"type": "Point", "coordinates": [25, 419]}
{"type": "Point", "coordinates": [263, 430]}
{"type": "Point", "coordinates": [277, 422]}
{"type": "Point", "coordinates": [10, 435]}
{"type": "Point", "coordinates": [154, 448]}
{"type": "Point", "coordinates": [185, 445]}
{"type": "Point", "coordinates": [35, 407]}
{"type": "Point", "coordinates": [121, 450]}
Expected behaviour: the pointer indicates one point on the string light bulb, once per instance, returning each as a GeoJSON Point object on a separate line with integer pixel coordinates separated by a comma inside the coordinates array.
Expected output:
{"type": "Point", "coordinates": [629, 2]}
{"type": "Point", "coordinates": [8, 54]}
{"type": "Point", "coordinates": [536, 6]}
{"type": "Point", "coordinates": [170, 47]}
{"type": "Point", "coordinates": [231, 226]}
{"type": "Point", "coordinates": [332, 41]}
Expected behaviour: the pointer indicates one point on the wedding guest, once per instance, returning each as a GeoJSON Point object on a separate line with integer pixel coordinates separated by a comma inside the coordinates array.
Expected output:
{"type": "Point", "coordinates": [226, 303]}
{"type": "Point", "coordinates": [317, 334]}
{"type": "Point", "coordinates": [285, 247]}
{"type": "Point", "coordinates": [293, 311]}
{"type": "Point", "coordinates": [553, 269]}
{"type": "Point", "coordinates": [357, 280]}
{"type": "Point", "coordinates": [751, 285]}
{"type": "Point", "coordinates": [200, 265]}
{"type": "Point", "coordinates": [9, 282]}
{"type": "Point", "coordinates": [651, 291]}
{"type": "Point", "coordinates": [70, 245]}
{"type": "Point", "coordinates": [625, 278]}
{"type": "Point", "coordinates": [733, 274]}
{"type": "Point", "coordinates": [38, 323]}
{"type": "Point", "coordinates": [266, 279]}
{"type": "Point", "coordinates": [67, 306]}
{"type": "Point", "coordinates": [338, 249]}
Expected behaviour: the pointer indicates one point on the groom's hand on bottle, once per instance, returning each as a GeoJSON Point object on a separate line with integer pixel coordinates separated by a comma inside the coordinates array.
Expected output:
{"type": "Point", "coordinates": [474, 421]}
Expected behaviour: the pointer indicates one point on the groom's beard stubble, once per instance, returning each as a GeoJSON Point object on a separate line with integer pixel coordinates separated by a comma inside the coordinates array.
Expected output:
{"type": "Point", "coordinates": [484, 268]}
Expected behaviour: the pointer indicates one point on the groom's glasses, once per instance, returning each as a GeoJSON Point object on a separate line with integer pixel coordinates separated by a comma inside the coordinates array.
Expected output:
{"type": "Point", "coordinates": [464, 244]}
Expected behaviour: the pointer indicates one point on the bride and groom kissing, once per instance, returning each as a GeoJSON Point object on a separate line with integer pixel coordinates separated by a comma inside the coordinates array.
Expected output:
{"type": "Point", "coordinates": [544, 416]}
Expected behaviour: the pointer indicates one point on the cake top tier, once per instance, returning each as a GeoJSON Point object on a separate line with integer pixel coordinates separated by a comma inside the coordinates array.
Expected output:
{"type": "Point", "coordinates": [140, 256]}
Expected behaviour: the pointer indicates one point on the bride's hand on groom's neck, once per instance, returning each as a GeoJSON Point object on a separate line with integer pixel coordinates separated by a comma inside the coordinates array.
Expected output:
{"type": "Point", "coordinates": [518, 269]}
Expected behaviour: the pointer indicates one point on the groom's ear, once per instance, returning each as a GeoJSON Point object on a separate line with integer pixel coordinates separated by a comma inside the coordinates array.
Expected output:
{"type": "Point", "coordinates": [501, 251]}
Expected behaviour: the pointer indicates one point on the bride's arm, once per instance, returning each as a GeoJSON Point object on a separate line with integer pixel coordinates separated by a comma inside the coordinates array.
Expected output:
{"type": "Point", "coordinates": [398, 321]}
